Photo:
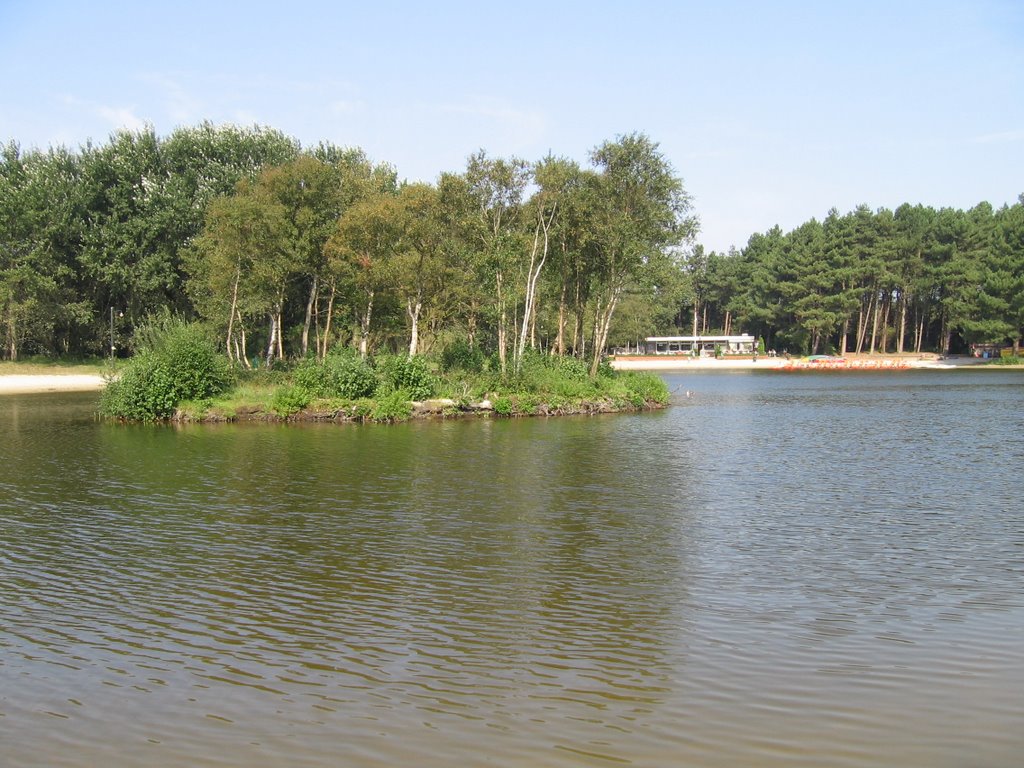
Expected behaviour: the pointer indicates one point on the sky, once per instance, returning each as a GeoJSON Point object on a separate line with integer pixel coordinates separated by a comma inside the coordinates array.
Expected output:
{"type": "Point", "coordinates": [771, 113]}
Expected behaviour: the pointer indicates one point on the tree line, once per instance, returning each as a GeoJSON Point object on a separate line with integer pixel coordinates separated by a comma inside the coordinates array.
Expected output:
{"type": "Point", "coordinates": [288, 252]}
{"type": "Point", "coordinates": [880, 281]}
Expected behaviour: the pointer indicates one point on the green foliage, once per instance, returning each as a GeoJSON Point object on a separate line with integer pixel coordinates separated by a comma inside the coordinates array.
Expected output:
{"type": "Point", "coordinates": [402, 372]}
{"type": "Point", "coordinates": [176, 362]}
{"type": "Point", "coordinates": [460, 356]}
{"type": "Point", "coordinates": [144, 391]}
{"type": "Point", "coordinates": [362, 409]}
{"type": "Point", "coordinates": [648, 387]}
{"type": "Point", "coordinates": [1011, 360]}
{"type": "Point", "coordinates": [239, 226]}
{"type": "Point", "coordinates": [289, 400]}
{"type": "Point", "coordinates": [503, 405]}
{"type": "Point", "coordinates": [392, 407]}
{"type": "Point", "coordinates": [342, 374]}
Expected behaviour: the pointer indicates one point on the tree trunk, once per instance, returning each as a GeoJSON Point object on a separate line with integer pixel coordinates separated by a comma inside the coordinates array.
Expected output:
{"type": "Point", "coordinates": [560, 337]}
{"type": "Point", "coordinates": [538, 255]}
{"type": "Point", "coordinates": [862, 323]}
{"type": "Point", "coordinates": [602, 324]}
{"type": "Point", "coordinates": [900, 338]}
{"type": "Point", "coordinates": [874, 325]}
{"type": "Point", "coordinates": [12, 338]}
{"type": "Point", "coordinates": [843, 336]}
{"type": "Point", "coordinates": [502, 324]}
{"type": "Point", "coordinates": [883, 342]}
{"type": "Point", "coordinates": [309, 317]}
{"type": "Point", "coordinates": [245, 347]}
{"type": "Point", "coordinates": [414, 308]}
{"type": "Point", "coordinates": [272, 342]}
{"type": "Point", "coordinates": [327, 322]}
{"type": "Point", "coordinates": [471, 323]}
{"type": "Point", "coordinates": [280, 335]}
{"type": "Point", "coordinates": [234, 310]}
{"type": "Point", "coordinates": [364, 327]}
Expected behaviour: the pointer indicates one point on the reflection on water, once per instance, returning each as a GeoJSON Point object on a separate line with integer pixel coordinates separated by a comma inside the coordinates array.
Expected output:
{"type": "Point", "coordinates": [780, 570]}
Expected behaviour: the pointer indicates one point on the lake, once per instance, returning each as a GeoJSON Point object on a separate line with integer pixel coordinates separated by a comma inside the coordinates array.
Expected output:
{"type": "Point", "coordinates": [779, 570]}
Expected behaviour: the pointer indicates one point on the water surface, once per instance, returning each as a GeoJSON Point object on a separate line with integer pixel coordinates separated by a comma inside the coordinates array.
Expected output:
{"type": "Point", "coordinates": [780, 570]}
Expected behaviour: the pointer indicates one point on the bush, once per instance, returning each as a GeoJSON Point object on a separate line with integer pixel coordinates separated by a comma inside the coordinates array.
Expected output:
{"type": "Point", "coordinates": [1010, 360]}
{"type": "Point", "coordinates": [460, 356]}
{"type": "Point", "coordinates": [290, 400]}
{"type": "Point", "coordinates": [144, 391]}
{"type": "Point", "coordinates": [401, 372]}
{"type": "Point", "coordinates": [503, 406]}
{"type": "Point", "coordinates": [396, 406]}
{"type": "Point", "coordinates": [342, 374]}
{"type": "Point", "coordinates": [176, 361]}
{"type": "Point", "coordinates": [645, 387]}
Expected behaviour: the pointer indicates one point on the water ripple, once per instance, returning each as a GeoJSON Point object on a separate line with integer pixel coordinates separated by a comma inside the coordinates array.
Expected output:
{"type": "Point", "coordinates": [780, 571]}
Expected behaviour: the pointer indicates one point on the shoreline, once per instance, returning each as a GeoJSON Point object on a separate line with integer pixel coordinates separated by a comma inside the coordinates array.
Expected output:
{"type": "Point", "coordinates": [678, 363]}
{"type": "Point", "coordinates": [32, 383]}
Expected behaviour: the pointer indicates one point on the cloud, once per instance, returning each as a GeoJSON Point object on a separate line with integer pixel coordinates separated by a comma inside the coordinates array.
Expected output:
{"type": "Point", "coordinates": [181, 105]}
{"type": "Point", "coordinates": [345, 107]}
{"type": "Point", "coordinates": [528, 125]}
{"type": "Point", "coordinates": [1004, 137]}
{"type": "Point", "coordinates": [121, 118]}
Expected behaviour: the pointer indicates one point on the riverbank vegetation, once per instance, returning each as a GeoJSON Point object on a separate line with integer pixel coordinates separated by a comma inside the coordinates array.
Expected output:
{"type": "Point", "coordinates": [285, 253]}
{"type": "Point", "coordinates": [179, 373]}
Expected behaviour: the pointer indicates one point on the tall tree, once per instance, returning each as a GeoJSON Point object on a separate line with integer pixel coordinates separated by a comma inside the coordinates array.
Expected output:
{"type": "Point", "coordinates": [642, 210]}
{"type": "Point", "coordinates": [240, 266]}
{"type": "Point", "coordinates": [362, 251]}
{"type": "Point", "coordinates": [497, 188]}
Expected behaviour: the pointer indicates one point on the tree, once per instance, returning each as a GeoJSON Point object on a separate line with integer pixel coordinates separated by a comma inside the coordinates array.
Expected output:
{"type": "Point", "coordinates": [555, 179]}
{"type": "Point", "coordinates": [956, 270]}
{"type": "Point", "coordinates": [239, 267]}
{"type": "Point", "coordinates": [641, 210]}
{"type": "Point", "coordinates": [1000, 302]}
{"type": "Point", "coordinates": [362, 252]}
{"type": "Point", "coordinates": [496, 188]}
{"type": "Point", "coordinates": [421, 262]}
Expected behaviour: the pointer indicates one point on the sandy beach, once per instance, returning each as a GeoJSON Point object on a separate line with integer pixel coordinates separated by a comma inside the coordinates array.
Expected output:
{"type": "Point", "coordinates": [18, 383]}
{"type": "Point", "coordinates": [862, 362]}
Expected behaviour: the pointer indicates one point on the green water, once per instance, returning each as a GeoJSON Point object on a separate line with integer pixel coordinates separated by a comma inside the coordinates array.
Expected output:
{"type": "Point", "coordinates": [779, 570]}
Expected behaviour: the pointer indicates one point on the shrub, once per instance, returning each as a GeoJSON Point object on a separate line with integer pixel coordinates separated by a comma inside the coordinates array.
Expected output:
{"type": "Point", "coordinates": [144, 391]}
{"type": "Point", "coordinates": [176, 361]}
{"type": "Point", "coordinates": [289, 400]}
{"type": "Point", "coordinates": [197, 369]}
{"type": "Point", "coordinates": [395, 406]}
{"type": "Point", "coordinates": [643, 387]}
{"type": "Point", "coordinates": [342, 374]}
{"type": "Point", "coordinates": [503, 406]}
{"type": "Point", "coordinates": [401, 372]}
{"type": "Point", "coordinates": [460, 356]}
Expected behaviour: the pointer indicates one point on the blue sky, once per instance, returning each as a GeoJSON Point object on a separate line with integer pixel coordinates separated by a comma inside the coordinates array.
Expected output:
{"type": "Point", "coordinates": [772, 113]}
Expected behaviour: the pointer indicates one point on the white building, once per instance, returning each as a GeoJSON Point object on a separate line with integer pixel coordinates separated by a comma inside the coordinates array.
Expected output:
{"type": "Point", "coordinates": [705, 346]}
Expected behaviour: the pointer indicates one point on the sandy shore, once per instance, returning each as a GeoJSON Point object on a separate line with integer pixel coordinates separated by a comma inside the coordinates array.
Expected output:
{"type": "Point", "coordinates": [682, 363]}
{"type": "Point", "coordinates": [18, 383]}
